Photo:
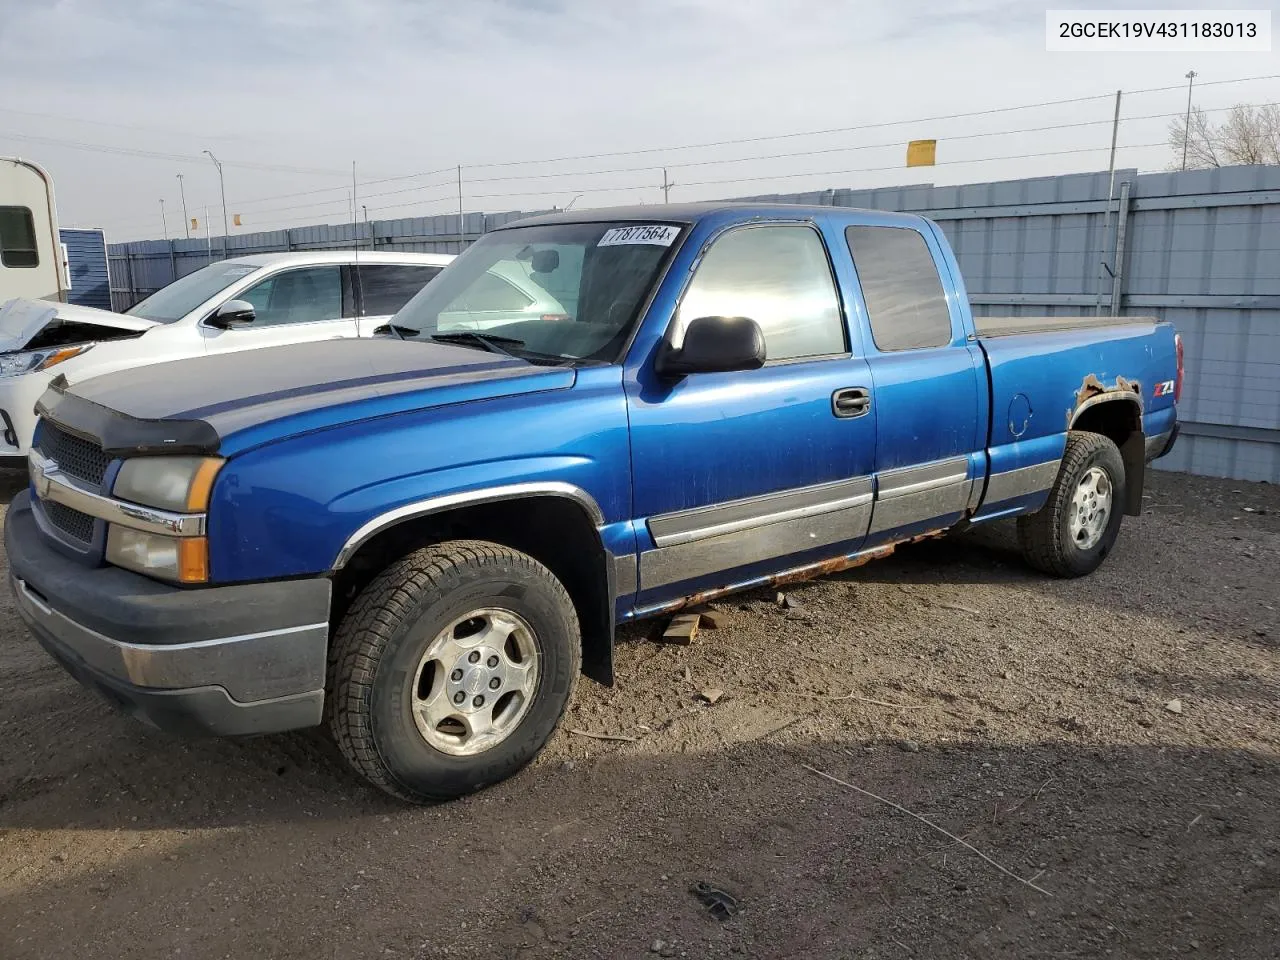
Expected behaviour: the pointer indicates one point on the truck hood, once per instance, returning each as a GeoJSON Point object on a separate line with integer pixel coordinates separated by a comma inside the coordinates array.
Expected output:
{"type": "Point", "coordinates": [194, 405]}
{"type": "Point", "coordinates": [21, 320]}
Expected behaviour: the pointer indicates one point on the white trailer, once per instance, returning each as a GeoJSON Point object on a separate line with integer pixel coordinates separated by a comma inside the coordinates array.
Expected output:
{"type": "Point", "coordinates": [30, 254]}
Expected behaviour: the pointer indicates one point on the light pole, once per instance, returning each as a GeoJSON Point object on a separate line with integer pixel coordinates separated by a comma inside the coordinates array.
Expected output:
{"type": "Point", "coordinates": [1186, 124]}
{"type": "Point", "coordinates": [186, 222]}
{"type": "Point", "coordinates": [226, 231]}
{"type": "Point", "coordinates": [163, 222]}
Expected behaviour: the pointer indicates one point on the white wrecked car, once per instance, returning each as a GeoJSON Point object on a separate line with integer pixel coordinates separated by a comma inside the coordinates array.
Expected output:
{"type": "Point", "coordinates": [239, 304]}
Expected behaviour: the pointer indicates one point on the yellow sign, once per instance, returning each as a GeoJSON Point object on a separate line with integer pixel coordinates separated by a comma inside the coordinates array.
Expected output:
{"type": "Point", "coordinates": [921, 153]}
{"type": "Point", "coordinates": [235, 218]}
{"type": "Point", "coordinates": [195, 224]}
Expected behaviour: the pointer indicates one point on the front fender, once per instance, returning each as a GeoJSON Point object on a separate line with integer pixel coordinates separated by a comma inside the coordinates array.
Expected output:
{"type": "Point", "coordinates": [298, 506]}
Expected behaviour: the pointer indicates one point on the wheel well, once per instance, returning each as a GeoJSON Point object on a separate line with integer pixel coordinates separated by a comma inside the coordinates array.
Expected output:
{"type": "Point", "coordinates": [1120, 420]}
{"type": "Point", "coordinates": [553, 530]}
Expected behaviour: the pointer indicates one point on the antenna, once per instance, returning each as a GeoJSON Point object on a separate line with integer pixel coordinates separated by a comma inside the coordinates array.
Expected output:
{"type": "Point", "coordinates": [355, 250]}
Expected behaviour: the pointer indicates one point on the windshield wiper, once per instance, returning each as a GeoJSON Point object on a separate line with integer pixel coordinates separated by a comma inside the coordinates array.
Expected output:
{"type": "Point", "coordinates": [398, 330]}
{"type": "Point", "coordinates": [483, 340]}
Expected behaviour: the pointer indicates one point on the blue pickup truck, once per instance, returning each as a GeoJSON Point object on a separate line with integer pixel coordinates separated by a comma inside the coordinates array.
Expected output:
{"type": "Point", "coordinates": [422, 539]}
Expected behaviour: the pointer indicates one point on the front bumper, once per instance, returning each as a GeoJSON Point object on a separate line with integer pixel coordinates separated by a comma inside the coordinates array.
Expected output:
{"type": "Point", "coordinates": [242, 659]}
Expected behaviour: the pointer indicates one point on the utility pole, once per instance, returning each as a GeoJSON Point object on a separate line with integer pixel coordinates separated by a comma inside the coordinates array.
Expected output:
{"type": "Point", "coordinates": [226, 231]}
{"type": "Point", "coordinates": [1111, 190]}
{"type": "Point", "coordinates": [186, 221]}
{"type": "Point", "coordinates": [666, 187]}
{"type": "Point", "coordinates": [462, 230]}
{"type": "Point", "coordinates": [163, 222]}
{"type": "Point", "coordinates": [1186, 124]}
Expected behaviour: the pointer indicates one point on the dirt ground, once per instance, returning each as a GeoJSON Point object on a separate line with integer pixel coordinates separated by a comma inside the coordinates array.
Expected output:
{"type": "Point", "coordinates": [1025, 715]}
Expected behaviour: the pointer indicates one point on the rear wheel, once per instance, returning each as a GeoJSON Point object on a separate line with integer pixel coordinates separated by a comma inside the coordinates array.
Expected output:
{"type": "Point", "coordinates": [451, 669]}
{"type": "Point", "coordinates": [1077, 527]}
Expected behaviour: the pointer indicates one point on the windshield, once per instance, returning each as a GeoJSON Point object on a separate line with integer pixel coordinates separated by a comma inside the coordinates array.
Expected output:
{"type": "Point", "coordinates": [568, 291]}
{"type": "Point", "coordinates": [182, 296]}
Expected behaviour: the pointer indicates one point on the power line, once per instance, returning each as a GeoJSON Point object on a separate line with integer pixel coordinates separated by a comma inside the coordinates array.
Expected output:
{"type": "Point", "coordinates": [813, 152]}
{"type": "Point", "coordinates": [305, 193]}
{"type": "Point", "coordinates": [855, 128]}
{"type": "Point", "coordinates": [168, 131]}
{"type": "Point", "coordinates": [696, 163]}
{"type": "Point", "coordinates": [363, 196]}
{"type": "Point", "coordinates": [157, 155]}
{"type": "Point", "coordinates": [847, 149]}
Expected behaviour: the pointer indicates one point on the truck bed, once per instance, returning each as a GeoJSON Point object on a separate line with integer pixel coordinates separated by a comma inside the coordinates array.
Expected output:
{"type": "Point", "coordinates": [1012, 326]}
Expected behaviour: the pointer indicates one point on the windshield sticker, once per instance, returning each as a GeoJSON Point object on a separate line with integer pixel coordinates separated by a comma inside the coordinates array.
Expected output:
{"type": "Point", "coordinates": [657, 234]}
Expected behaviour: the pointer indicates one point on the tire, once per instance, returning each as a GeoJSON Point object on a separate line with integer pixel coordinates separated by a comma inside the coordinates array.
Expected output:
{"type": "Point", "coordinates": [1046, 537]}
{"type": "Point", "coordinates": [384, 697]}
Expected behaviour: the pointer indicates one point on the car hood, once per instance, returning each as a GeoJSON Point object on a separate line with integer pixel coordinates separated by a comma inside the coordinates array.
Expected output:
{"type": "Point", "coordinates": [195, 405]}
{"type": "Point", "coordinates": [21, 320]}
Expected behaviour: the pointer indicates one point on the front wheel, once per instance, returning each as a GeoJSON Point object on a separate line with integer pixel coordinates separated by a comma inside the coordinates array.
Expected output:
{"type": "Point", "coordinates": [1074, 531]}
{"type": "Point", "coordinates": [451, 669]}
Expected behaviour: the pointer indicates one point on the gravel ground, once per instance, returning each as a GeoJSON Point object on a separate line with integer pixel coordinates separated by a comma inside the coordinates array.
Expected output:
{"type": "Point", "coordinates": [1027, 716]}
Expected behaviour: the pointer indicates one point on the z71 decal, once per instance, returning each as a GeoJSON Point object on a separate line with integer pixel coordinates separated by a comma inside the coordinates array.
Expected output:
{"type": "Point", "coordinates": [1164, 388]}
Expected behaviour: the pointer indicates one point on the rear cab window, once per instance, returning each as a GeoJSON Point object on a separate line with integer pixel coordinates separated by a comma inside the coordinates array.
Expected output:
{"type": "Point", "coordinates": [906, 304]}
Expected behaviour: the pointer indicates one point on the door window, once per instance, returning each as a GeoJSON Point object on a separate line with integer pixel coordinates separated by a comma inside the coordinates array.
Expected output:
{"type": "Point", "coordinates": [306, 295]}
{"type": "Point", "coordinates": [389, 286]}
{"type": "Point", "coordinates": [778, 276]}
{"type": "Point", "coordinates": [901, 287]}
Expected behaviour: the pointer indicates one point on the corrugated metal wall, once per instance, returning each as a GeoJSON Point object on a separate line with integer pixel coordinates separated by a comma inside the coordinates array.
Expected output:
{"type": "Point", "coordinates": [87, 267]}
{"type": "Point", "coordinates": [1200, 248]}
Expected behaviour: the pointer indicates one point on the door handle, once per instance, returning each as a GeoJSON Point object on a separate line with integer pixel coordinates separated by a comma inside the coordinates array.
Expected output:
{"type": "Point", "coordinates": [851, 402]}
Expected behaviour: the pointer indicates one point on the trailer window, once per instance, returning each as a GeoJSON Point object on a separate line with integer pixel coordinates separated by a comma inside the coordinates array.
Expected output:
{"type": "Point", "coordinates": [18, 238]}
{"type": "Point", "coordinates": [901, 287]}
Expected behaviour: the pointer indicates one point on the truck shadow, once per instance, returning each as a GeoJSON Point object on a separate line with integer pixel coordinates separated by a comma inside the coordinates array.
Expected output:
{"type": "Point", "coordinates": [1130, 856]}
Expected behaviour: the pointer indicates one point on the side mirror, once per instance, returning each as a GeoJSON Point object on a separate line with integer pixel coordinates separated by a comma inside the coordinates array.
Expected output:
{"type": "Point", "coordinates": [714, 345]}
{"type": "Point", "coordinates": [233, 313]}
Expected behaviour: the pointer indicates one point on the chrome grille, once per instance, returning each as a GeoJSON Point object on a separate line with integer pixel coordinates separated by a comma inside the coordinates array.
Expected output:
{"type": "Point", "coordinates": [77, 525]}
{"type": "Point", "coordinates": [78, 458]}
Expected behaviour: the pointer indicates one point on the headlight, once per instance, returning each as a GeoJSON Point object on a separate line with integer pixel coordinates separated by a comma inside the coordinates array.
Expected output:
{"type": "Point", "coordinates": [182, 559]}
{"type": "Point", "coordinates": [181, 484]}
{"type": "Point", "coordinates": [14, 364]}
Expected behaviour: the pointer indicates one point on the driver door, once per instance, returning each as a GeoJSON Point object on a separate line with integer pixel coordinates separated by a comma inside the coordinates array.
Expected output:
{"type": "Point", "coordinates": [291, 306]}
{"type": "Point", "coordinates": [740, 475]}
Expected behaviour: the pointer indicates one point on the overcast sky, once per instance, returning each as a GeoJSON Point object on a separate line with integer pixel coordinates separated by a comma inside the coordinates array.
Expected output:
{"type": "Point", "coordinates": [116, 99]}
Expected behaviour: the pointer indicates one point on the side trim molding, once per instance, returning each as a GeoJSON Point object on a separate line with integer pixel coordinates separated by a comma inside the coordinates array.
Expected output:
{"type": "Point", "coordinates": [1019, 483]}
{"type": "Point", "coordinates": [908, 480]}
{"type": "Point", "coordinates": [684, 526]}
{"type": "Point", "coordinates": [422, 508]}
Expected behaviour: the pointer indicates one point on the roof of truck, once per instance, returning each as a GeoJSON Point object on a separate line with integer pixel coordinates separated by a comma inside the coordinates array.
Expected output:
{"type": "Point", "coordinates": [692, 212]}
{"type": "Point", "coordinates": [342, 256]}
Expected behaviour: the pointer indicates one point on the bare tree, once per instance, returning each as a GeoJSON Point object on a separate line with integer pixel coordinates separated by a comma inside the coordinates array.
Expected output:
{"type": "Point", "coordinates": [1249, 135]}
